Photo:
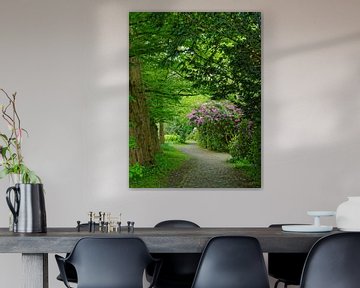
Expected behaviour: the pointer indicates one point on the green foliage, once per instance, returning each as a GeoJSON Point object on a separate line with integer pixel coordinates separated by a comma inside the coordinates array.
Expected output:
{"type": "Point", "coordinates": [156, 176]}
{"type": "Point", "coordinates": [216, 52]}
{"type": "Point", "coordinates": [136, 171]}
{"type": "Point", "coordinates": [255, 150]}
{"type": "Point", "coordinates": [210, 137]}
{"type": "Point", "coordinates": [180, 127]}
{"type": "Point", "coordinates": [132, 143]}
{"type": "Point", "coordinates": [172, 138]}
{"type": "Point", "coordinates": [26, 175]}
{"type": "Point", "coordinates": [245, 149]}
{"type": "Point", "coordinates": [239, 146]}
{"type": "Point", "coordinates": [252, 173]}
{"type": "Point", "coordinates": [162, 91]}
{"type": "Point", "coordinates": [242, 164]}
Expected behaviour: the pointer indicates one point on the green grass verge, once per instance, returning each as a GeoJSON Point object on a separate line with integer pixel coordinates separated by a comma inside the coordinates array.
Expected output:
{"type": "Point", "coordinates": [251, 172]}
{"type": "Point", "coordinates": [156, 176]}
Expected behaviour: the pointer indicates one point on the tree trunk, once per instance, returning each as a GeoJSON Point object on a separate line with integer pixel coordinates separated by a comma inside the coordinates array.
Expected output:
{"type": "Point", "coordinates": [161, 133]}
{"type": "Point", "coordinates": [142, 129]}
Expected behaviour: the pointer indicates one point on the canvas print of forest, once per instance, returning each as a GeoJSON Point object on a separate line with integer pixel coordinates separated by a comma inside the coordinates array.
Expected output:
{"type": "Point", "coordinates": [195, 99]}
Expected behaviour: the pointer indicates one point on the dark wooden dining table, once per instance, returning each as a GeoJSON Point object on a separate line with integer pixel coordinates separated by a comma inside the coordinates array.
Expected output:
{"type": "Point", "coordinates": [35, 247]}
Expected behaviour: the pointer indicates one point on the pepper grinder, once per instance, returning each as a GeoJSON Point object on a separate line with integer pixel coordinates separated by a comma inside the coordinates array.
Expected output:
{"type": "Point", "coordinates": [90, 221]}
{"type": "Point", "coordinates": [131, 226]}
{"type": "Point", "coordinates": [78, 226]}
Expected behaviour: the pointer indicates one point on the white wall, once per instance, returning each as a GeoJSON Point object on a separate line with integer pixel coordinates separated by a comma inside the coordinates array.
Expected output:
{"type": "Point", "coordinates": [68, 62]}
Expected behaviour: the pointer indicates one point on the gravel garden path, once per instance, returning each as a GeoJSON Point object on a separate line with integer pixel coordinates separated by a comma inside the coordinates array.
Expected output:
{"type": "Point", "coordinates": [206, 169]}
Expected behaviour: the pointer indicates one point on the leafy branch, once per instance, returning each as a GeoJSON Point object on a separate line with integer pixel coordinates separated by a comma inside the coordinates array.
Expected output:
{"type": "Point", "coordinates": [12, 159]}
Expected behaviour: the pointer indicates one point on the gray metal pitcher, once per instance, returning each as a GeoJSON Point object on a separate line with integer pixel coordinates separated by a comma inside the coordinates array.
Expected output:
{"type": "Point", "coordinates": [28, 207]}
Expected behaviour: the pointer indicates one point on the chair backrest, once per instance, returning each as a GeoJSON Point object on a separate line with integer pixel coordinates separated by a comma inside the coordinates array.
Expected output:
{"type": "Point", "coordinates": [287, 267]}
{"type": "Point", "coordinates": [178, 269]}
{"type": "Point", "coordinates": [333, 262]}
{"type": "Point", "coordinates": [176, 224]}
{"type": "Point", "coordinates": [232, 262]}
{"type": "Point", "coordinates": [110, 262]}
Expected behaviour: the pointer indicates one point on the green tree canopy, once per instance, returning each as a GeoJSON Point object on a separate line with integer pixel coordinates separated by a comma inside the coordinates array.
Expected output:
{"type": "Point", "coordinates": [218, 53]}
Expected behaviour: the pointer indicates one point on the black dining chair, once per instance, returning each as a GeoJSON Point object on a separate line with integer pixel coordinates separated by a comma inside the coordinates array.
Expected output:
{"type": "Point", "coordinates": [108, 263]}
{"type": "Point", "coordinates": [333, 262]}
{"type": "Point", "coordinates": [286, 267]}
{"type": "Point", "coordinates": [232, 262]}
{"type": "Point", "coordinates": [69, 269]}
{"type": "Point", "coordinates": [178, 269]}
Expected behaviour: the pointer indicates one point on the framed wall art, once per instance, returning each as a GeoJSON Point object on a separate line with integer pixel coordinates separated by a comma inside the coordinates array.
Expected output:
{"type": "Point", "coordinates": [195, 100]}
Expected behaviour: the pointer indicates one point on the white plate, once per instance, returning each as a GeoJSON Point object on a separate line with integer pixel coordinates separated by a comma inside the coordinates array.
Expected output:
{"type": "Point", "coordinates": [306, 228]}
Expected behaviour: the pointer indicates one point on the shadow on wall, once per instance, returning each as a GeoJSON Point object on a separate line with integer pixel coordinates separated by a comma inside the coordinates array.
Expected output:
{"type": "Point", "coordinates": [312, 132]}
{"type": "Point", "coordinates": [309, 47]}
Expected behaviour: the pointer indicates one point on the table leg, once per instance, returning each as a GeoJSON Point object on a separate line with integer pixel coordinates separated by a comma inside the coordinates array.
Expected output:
{"type": "Point", "coordinates": [35, 270]}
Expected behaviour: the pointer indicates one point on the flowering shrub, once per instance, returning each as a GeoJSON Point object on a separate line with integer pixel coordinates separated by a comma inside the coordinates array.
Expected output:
{"type": "Point", "coordinates": [217, 123]}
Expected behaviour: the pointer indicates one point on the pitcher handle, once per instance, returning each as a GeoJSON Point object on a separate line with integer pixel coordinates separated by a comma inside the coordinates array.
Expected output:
{"type": "Point", "coordinates": [13, 208]}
